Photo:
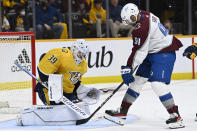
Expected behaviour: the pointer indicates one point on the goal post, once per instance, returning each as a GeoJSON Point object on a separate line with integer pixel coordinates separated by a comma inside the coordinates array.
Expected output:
{"type": "Point", "coordinates": [17, 88]}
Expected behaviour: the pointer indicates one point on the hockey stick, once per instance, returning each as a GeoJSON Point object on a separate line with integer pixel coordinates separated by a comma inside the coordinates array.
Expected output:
{"type": "Point", "coordinates": [109, 89]}
{"type": "Point", "coordinates": [64, 100]}
{"type": "Point", "coordinates": [82, 121]}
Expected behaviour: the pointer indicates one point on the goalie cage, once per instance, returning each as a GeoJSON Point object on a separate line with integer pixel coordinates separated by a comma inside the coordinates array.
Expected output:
{"type": "Point", "coordinates": [16, 89]}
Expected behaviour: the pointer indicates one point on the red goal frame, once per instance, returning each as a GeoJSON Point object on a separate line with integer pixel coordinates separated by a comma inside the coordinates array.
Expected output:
{"type": "Point", "coordinates": [33, 58]}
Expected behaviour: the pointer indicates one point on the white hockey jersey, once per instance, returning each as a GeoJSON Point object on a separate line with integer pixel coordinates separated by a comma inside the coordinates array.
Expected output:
{"type": "Point", "coordinates": [150, 36]}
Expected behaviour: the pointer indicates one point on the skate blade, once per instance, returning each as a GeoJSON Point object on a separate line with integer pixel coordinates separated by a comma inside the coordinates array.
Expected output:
{"type": "Point", "coordinates": [116, 120]}
{"type": "Point", "coordinates": [176, 125]}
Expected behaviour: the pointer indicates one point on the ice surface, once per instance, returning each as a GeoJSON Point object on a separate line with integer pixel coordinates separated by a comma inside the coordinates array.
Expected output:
{"type": "Point", "coordinates": [150, 113]}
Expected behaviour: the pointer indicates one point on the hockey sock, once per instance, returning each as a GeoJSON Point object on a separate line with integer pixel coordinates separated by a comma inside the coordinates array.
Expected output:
{"type": "Point", "coordinates": [125, 107]}
{"type": "Point", "coordinates": [173, 109]}
{"type": "Point", "coordinates": [128, 99]}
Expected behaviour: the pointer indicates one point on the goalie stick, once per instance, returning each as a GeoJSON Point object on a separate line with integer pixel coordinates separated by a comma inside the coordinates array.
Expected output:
{"type": "Point", "coordinates": [64, 100]}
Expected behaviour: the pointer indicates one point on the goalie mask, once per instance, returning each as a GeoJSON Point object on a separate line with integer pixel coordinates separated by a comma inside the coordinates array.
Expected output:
{"type": "Point", "coordinates": [127, 11]}
{"type": "Point", "coordinates": [80, 50]}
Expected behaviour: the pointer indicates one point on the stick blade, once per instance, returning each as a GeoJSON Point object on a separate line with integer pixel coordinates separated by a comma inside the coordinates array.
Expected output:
{"type": "Point", "coordinates": [115, 120]}
{"type": "Point", "coordinates": [82, 121]}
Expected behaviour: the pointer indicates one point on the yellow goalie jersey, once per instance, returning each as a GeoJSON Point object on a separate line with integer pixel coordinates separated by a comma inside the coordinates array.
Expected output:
{"type": "Point", "coordinates": [61, 61]}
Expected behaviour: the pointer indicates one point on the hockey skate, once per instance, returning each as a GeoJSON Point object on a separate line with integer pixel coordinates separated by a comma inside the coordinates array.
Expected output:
{"type": "Point", "coordinates": [116, 116]}
{"type": "Point", "coordinates": [175, 121]}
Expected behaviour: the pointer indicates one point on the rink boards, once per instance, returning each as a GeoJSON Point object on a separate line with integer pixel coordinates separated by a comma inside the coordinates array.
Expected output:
{"type": "Point", "coordinates": [108, 54]}
{"type": "Point", "coordinates": [104, 61]}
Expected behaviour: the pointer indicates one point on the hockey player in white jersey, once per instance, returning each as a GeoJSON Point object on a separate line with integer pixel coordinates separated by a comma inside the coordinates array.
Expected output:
{"type": "Point", "coordinates": [153, 53]}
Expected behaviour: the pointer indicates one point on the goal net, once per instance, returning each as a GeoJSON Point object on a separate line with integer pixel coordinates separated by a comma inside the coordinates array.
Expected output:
{"type": "Point", "coordinates": [15, 85]}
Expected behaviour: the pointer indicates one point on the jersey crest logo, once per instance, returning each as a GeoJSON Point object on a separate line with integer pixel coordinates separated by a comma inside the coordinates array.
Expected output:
{"type": "Point", "coordinates": [75, 77]}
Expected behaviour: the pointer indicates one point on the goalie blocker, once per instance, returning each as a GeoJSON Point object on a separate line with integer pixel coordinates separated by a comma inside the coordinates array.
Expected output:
{"type": "Point", "coordinates": [59, 114]}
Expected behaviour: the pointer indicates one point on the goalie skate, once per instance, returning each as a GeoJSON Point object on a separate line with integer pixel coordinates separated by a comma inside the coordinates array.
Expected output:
{"type": "Point", "coordinates": [175, 121]}
{"type": "Point", "coordinates": [19, 120]}
{"type": "Point", "coordinates": [115, 116]}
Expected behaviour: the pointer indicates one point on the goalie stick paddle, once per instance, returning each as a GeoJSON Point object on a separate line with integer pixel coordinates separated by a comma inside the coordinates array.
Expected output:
{"type": "Point", "coordinates": [82, 121]}
{"type": "Point", "coordinates": [65, 100]}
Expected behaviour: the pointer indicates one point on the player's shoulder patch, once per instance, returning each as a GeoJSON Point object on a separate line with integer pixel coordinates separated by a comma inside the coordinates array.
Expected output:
{"type": "Point", "coordinates": [66, 54]}
{"type": "Point", "coordinates": [138, 29]}
{"type": "Point", "coordinates": [137, 26]}
{"type": "Point", "coordinates": [66, 50]}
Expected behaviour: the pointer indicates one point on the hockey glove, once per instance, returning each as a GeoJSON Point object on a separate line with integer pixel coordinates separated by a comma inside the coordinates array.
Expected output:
{"type": "Point", "coordinates": [191, 51]}
{"type": "Point", "coordinates": [88, 95]}
{"type": "Point", "coordinates": [127, 75]}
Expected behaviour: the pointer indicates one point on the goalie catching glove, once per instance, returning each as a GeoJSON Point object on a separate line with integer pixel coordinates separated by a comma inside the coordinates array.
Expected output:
{"type": "Point", "coordinates": [191, 51]}
{"type": "Point", "coordinates": [88, 95]}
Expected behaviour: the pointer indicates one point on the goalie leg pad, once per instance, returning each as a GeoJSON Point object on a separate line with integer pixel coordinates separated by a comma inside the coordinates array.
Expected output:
{"type": "Point", "coordinates": [49, 115]}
